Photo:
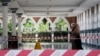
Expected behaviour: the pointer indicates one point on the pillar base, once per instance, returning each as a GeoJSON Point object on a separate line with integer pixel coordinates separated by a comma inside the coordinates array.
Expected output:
{"type": "Point", "coordinates": [13, 42]}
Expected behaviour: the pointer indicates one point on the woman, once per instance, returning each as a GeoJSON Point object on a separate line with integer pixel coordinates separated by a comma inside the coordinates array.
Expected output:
{"type": "Point", "coordinates": [75, 37]}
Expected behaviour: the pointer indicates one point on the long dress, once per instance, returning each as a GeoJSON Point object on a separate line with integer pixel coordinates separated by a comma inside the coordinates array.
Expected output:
{"type": "Point", "coordinates": [76, 43]}
{"type": "Point", "coordinates": [38, 46]}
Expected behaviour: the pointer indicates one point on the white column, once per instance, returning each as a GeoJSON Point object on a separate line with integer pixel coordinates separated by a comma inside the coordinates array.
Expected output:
{"type": "Point", "coordinates": [87, 20]}
{"type": "Point", "coordinates": [52, 39]}
{"type": "Point", "coordinates": [84, 20]}
{"type": "Point", "coordinates": [13, 24]}
{"type": "Point", "coordinates": [86, 23]}
{"type": "Point", "coordinates": [36, 34]}
{"type": "Point", "coordinates": [19, 24]}
{"type": "Point", "coordinates": [19, 27]}
{"type": "Point", "coordinates": [95, 17]}
{"type": "Point", "coordinates": [5, 27]}
{"type": "Point", "coordinates": [90, 16]}
{"type": "Point", "coordinates": [81, 21]}
{"type": "Point", "coordinates": [5, 19]}
{"type": "Point", "coordinates": [90, 21]}
{"type": "Point", "coordinates": [14, 21]}
{"type": "Point", "coordinates": [52, 35]}
{"type": "Point", "coordinates": [87, 17]}
{"type": "Point", "coordinates": [77, 20]}
{"type": "Point", "coordinates": [99, 16]}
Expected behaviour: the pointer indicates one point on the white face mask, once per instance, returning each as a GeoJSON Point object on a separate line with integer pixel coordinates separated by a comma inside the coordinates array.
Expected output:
{"type": "Point", "coordinates": [72, 24]}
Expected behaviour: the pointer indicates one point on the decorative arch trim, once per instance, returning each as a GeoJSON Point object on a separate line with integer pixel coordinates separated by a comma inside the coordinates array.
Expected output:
{"type": "Point", "coordinates": [52, 19]}
{"type": "Point", "coordinates": [36, 19]}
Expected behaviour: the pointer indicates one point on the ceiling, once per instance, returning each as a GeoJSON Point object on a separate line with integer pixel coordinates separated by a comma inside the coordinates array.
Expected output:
{"type": "Point", "coordinates": [56, 7]}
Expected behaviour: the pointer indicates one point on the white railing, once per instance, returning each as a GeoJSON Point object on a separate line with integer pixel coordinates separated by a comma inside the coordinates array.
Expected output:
{"type": "Point", "coordinates": [3, 42]}
{"type": "Point", "coordinates": [61, 45]}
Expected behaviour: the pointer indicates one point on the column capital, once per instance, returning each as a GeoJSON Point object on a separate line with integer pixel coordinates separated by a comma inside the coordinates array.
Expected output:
{"type": "Point", "coordinates": [13, 10]}
{"type": "Point", "coordinates": [5, 2]}
{"type": "Point", "coordinates": [19, 14]}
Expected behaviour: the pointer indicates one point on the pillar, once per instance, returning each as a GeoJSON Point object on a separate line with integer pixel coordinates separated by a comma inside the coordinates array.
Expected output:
{"type": "Point", "coordinates": [90, 15]}
{"type": "Point", "coordinates": [13, 21]}
{"type": "Point", "coordinates": [5, 29]}
{"type": "Point", "coordinates": [52, 39]}
{"type": "Point", "coordinates": [19, 26]}
{"type": "Point", "coordinates": [36, 36]}
{"type": "Point", "coordinates": [4, 14]}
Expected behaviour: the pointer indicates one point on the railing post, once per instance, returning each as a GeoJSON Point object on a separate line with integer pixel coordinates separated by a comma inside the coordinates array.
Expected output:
{"type": "Point", "coordinates": [68, 40]}
{"type": "Point", "coordinates": [52, 37]}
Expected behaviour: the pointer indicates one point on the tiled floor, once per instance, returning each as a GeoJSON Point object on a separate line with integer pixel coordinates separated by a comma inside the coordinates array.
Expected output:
{"type": "Point", "coordinates": [62, 46]}
{"type": "Point", "coordinates": [88, 46]}
{"type": "Point", "coordinates": [59, 46]}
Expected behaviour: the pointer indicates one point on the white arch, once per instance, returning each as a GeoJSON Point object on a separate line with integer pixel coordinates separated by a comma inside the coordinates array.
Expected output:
{"type": "Point", "coordinates": [64, 20]}
{"type": "Point", "coordinates": [42, 17]}
{"type": "Point", "coordinates": [24, 20]}
{"type": "Point", "coordinates": [32, 19]}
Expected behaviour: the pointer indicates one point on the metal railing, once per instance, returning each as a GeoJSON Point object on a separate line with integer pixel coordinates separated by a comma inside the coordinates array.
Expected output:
{"type": "Point", "coordinates": [61, 45]}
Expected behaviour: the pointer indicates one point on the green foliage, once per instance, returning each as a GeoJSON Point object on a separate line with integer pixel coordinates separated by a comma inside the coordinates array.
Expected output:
{"type": "Point", "coordinates": [44, 20]}
{"type": "Point", "coordinates": [43, 26]}
{"type": "Point", "coordinates": [61, 25]}
{"type": "Point", "coordinates": [0, 29]}
{"type": "Point", "coordinates": [10, 26]}
{"type": "Point", "coordinates": [28, 26]}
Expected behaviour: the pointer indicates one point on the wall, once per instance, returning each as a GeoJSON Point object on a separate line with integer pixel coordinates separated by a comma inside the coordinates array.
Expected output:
{"type": "Point", "coordinates": [89, 22]}
{"type": "Point", "coordinates": [36, 20]}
